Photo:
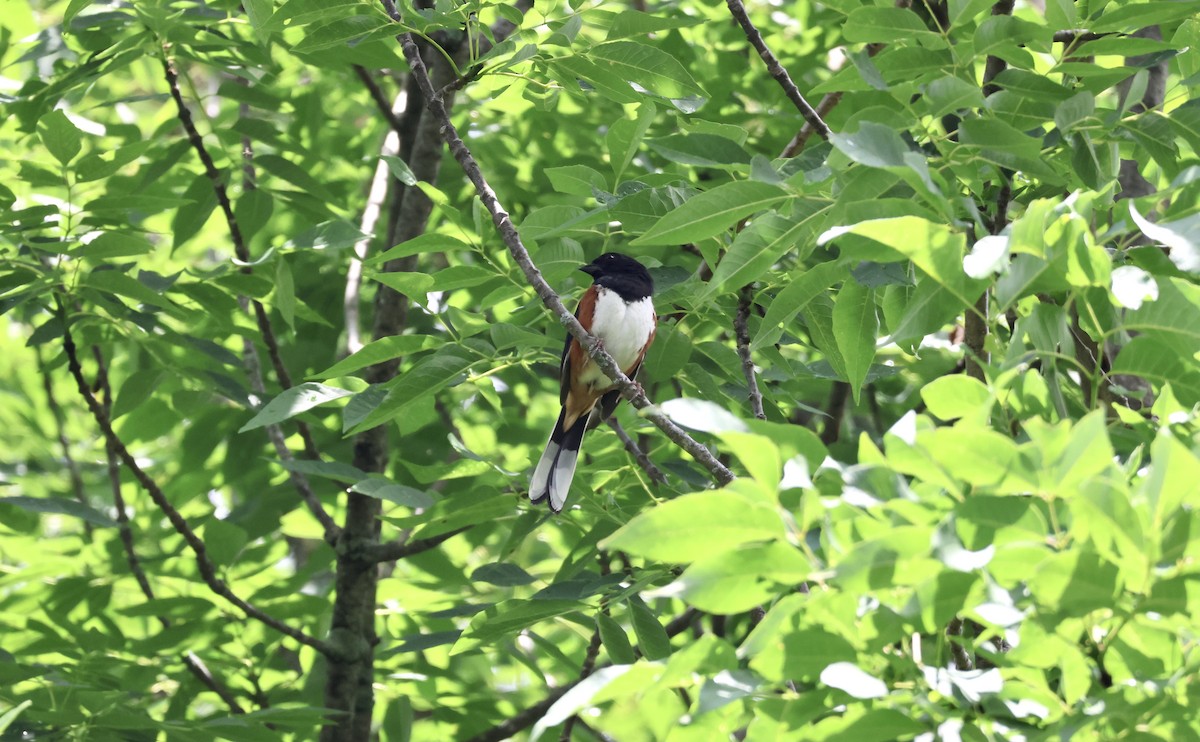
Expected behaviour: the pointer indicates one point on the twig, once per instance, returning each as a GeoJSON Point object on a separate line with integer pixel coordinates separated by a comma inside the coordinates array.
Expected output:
{"type": "Point", "coordinates": [775, 69]}
{"type": "Point", "coordinates": [520, 255]}
{"type": "Point", "coordinates": [395, 550]}
{"type": "Point", "coordinates": [680, 623]}
{"type": "Point", "coordinates": [636, 451]}
{"type": "Point", "coordinates": [60, 428]}
{"type": "Point", "coordinates": [829, 102]}
{"type": "Point", "coordinates": [742, 333]}
{"type": "Point", "coordinates": [192, 662]}
{"type": "Point", "coordinates": [243, 254]}
{"type": "Point", "coordinates": [387, 110]}
{"type": "Point", "coordinates": [207, 569]}
{"type": "Point", "coordinates": [1077, 35]}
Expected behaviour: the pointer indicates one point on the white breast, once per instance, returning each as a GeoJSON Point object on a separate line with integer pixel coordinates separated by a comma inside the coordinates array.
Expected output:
{"type": "Point", "coordinates": [623, 326]}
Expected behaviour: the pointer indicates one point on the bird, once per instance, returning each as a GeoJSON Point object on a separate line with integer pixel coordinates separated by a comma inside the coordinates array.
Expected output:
{"type": "Point", "coordinates": [618, 309]}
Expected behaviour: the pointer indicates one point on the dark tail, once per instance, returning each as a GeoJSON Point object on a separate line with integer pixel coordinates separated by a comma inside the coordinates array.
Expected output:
{"type": "Point", "coordinates": [552, 477]}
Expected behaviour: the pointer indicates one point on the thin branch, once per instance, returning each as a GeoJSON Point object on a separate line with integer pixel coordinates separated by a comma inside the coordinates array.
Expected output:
{"type": "Point", "coordinates": [61, 430]}
{"type": "Point", "coordinates": [1077, 36]}
{"type": "Point", "coordinates": [207, 570]}
{"type": "Point", "coordinates": [775, 69]}
{"type": "Point", "coordinates": [260, 313]}
{"type": "Point", "coordinates": [680, 623]}
{"type": "Point", "coordinates": [387, 110]}
{"type": "Point", "coordinates": [636, 451]}
{"type": "Point", "coordinates": [395, 550]}
{"type": "Point", "coordinates": [520, 255]}
{"type": "Point", "coordinates": [742, 333]}
{"type": "Point", "coordinates": [192, 662]}
{"type": "Point", "coordinates": [829, 102]}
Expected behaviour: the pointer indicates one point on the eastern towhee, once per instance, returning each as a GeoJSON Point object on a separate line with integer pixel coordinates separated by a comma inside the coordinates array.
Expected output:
{"type": "Point", "coordinates": [618, 310]}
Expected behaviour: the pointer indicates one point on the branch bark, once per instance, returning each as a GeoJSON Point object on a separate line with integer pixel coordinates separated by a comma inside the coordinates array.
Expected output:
{"type": "Point", "coordinates": [742, 333]}
{"type": "Point", "coordinates": [636, 451]}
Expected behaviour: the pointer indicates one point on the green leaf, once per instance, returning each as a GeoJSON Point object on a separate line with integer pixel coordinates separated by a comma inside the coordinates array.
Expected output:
{"type": "Point", "coordinates": [934, 248]}
{"type": "Point", "coordinates": [885, 26]}
{"type": "Point", "coordinates": [760, 246]}
{"type": "Point", "coordinates": [10, 715]}
{"type": "Point", "coordinates": [737, 581]}
{"type": "Point", "coordinates": [399, 494]}
{"type": "Point", "coordinates": [60, 506]}
{"type": "Point", "coordinates": [600, 79]}
{"type": "Point", "coordinates": [625, 136]}
{"type": "Point", "coordinates": [712, 212]}
{"type": "Point", "coordinates": [292, 402]}
{"type": "Point", "coordinates": [60, 136]}
{"type": "Point", "coordinates": [855, 325]}
{"type": "Point", "coordinates": [426, 243]}
{"type": "Point", "coordinates": [794, 298]}
{"type": "Point", "coordinates": [252, 211]}
{"type": "Point", "coordinates": [409, 283]}
{"type": "Point", "coordinates": [1173, 318]}
{"type": "Point", "coordinates": [429, 376]}
{"type": "Point", "coordinates": [506, 619]}
{"type": "Point", "coordinates": [577, 180]}
{"type": "Point", "coordinates": [285, 293]}
{"type": "Point", "coordinates": [115, 245]}
{"type": "Point", "coordinates": [378, 351]}
{"type": "Point", "coordinates": [700, 150]}
{"type": "Point", "coordinates": [952, 397]}
{"type": "Point", "coordinates": [224, 541]}
{"type": "Point", "coordinates": [637, 23]}
{"type": "Point", "coordinates": [647, 66]}
{"type": "Point", "coordinates": [259, 12]}
{"type": "Point", "coordinates": [615, 640]}
{"type": "Point", "coordinates": [651, 636]}
{"type": "Point", "coordinates": [879, 146]}
{"type": "Point", "coordinates": [701, 524]}
{"type": "Point", "coordinates": [399, 169]}
{"type": "Point", "coordinates": [502, 574]}
{"type": "Point", "coordinates": [1139, 15]}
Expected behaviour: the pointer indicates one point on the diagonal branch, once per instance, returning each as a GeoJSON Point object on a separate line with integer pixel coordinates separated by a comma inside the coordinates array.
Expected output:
{"type": "Point", "coordinates": [260, 313]}
{"type": "Point", "coordinates": [208, 571]}
{"type": "Point", "coordinates": [191, 661]}
{"type": "Point", "coordinates": [829, 102]}
{"type": "Point", "coordinates": [512, 240]}
{"type": "Point", "coordinates": [636, 451]}
{"type": "Point", "coordinates": [776, 70]}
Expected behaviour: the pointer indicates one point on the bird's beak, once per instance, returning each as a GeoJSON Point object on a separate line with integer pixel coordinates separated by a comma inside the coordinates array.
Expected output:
{"type": "Point", "coordinates": [591, 270]}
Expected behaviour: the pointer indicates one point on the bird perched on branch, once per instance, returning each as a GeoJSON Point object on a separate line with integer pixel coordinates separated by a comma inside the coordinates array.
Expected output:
{"type": "Point", "coordinates": [617, 309]}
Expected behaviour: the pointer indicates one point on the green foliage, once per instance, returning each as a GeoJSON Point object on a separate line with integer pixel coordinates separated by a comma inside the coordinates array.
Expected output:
{"type": "Point", "coordinates": [974, 318]}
